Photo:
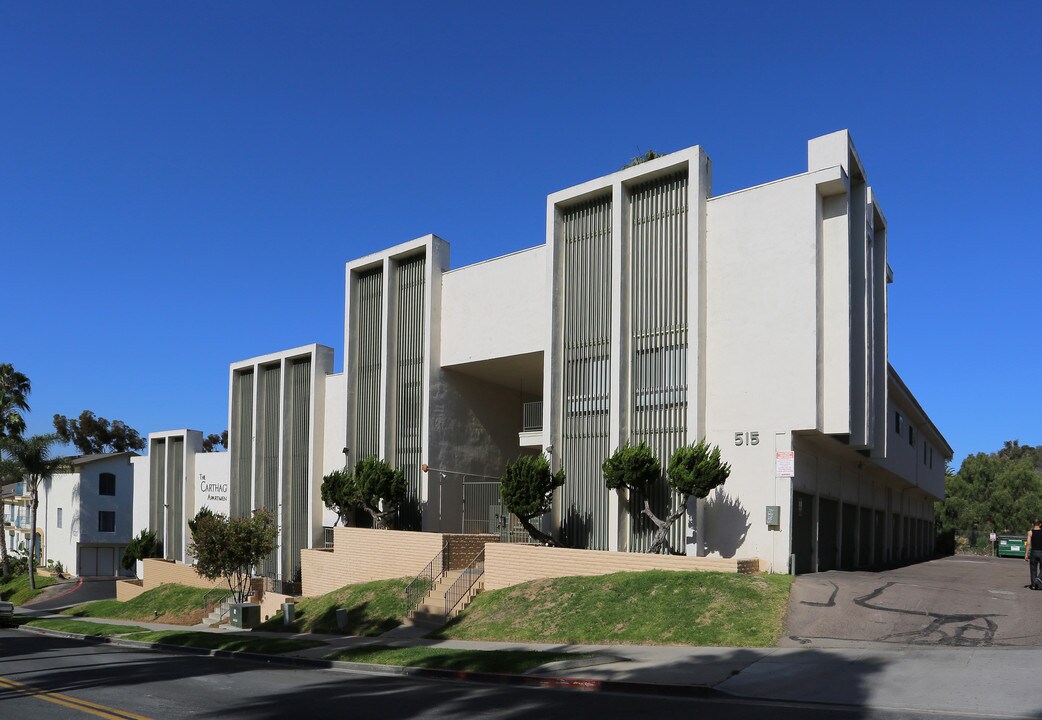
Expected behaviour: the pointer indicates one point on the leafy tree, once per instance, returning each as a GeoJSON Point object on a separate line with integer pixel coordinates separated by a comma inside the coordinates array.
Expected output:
{"type": "Point", "coordinates": [211, 441]}
{"type": "Point", "coordinates": [999, 492]}
{"type": "Point", "coordinates": [94, 435]}
{"type": "Point", "coordinates": [14, 389]}
{"type": "Point", "coordinates": [35, 463]}
{"type": "Point", "coordinates": [230, 548]}
{"type": "Point", "coordinates": [338, 494]}
{"type": "Point", "coordinates": [145, 545]}
{"type": "Point", "coordinates": [693, 470]}
{"type": "Point", "coordinates": [527, 489]}
{"type": "Point", "coordinates": [378, 489]}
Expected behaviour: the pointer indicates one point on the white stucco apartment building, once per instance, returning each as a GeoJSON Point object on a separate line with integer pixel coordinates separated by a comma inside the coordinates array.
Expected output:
{"type": "Point", "coordinates": [651, 311]}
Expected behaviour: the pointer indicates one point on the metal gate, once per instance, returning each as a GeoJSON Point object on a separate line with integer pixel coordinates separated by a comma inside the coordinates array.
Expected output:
{"type": "Point", "coordinates": [483, 512]}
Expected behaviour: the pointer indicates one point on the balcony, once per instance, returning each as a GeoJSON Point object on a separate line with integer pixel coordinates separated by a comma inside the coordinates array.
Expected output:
{"type": "Point", "coordinates": [531, 434]}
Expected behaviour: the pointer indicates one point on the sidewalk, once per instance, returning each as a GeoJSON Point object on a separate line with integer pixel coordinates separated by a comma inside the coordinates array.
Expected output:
{"type": "Point", "coordinates": [992, 680]}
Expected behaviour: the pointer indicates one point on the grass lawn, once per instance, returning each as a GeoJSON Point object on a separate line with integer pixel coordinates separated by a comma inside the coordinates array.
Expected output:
{"type": "Point", "coordinates": [373, 609]}
{"type": "Point", "coordinates": [223, 641]}
{"type": "Point", "coordinates": [84, 627]}
{"type": "Point", "coordinates": [494, 661]}
{"type": "Point", "coordinates": [176, 604]}
{"type": "Point", "coordinates": [648, 608]}
{"type": "Point", "coordinates": [16, 589]}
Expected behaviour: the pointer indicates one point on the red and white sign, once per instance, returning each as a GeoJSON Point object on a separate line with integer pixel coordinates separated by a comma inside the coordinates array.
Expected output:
{"type": "Point", "coordinates": [785, 463]}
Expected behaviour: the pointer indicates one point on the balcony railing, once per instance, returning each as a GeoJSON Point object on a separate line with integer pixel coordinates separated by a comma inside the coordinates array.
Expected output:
{"type": "Point", "coordinates": [532, 416]}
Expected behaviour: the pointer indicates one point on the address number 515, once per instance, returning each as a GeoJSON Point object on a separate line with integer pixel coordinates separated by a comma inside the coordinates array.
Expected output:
{"type": "Point", "coordinates": [746, 438]}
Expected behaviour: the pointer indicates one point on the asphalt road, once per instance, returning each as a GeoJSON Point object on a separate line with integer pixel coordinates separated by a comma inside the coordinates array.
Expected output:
{"type": "Point", "coordinates": [953, 601]}
{"type": "Point", "coordinates": [48, 678]}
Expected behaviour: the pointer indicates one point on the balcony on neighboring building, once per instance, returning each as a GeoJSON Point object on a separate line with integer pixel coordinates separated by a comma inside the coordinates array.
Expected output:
{"type": "Point", "coordinates": [531, 434]}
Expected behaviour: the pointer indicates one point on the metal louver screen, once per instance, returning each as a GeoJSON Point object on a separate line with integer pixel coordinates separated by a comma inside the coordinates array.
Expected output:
{"type": "Point", "coordinates": [175, 494]}
{"type": "Point", "coordinates": [157, 490]}
{"type": "Point", "coordinates": [242, 443]}
{"type": "Point", "coordinates": [266, 485]}
{"type": "Point", "coordinates": [368, 349]}
{"type": "Point", "coordinates": [658, 316]}
{"type": "Point", "coordinates": [409, 384]}
{"type": "Point", "coordinates": [586, 335]}
{"type": "Point", "coordinates": [297, 466]}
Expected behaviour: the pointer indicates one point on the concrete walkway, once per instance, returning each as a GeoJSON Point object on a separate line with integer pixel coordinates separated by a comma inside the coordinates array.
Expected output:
{"type": "Point", "coordinates": [997, 681]}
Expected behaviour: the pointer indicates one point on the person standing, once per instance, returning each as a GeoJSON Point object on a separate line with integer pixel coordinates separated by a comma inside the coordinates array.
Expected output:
{"type": "Point", "coordinates": [1033, 554]}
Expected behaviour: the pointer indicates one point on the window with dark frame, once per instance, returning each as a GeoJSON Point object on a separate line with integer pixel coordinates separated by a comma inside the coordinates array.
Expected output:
{"type": "Point", "coordinates": [899, 423]}
{"type": "Point", "coordinates": [106, 521]}
{"type": "Point", "coordinates": [59, 517]}
{"type": "Point", "coordinates": [911, 436]}
{"type": "Point", "coordinates": [107, 484]}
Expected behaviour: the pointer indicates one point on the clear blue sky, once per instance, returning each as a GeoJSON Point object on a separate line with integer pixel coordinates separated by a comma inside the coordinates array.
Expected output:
{"type": "Point", "coordinates": [183, 182]}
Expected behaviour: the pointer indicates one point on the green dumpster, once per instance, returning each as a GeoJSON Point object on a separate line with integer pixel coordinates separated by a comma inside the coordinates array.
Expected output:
{"type": "Point", "coordinates": [1010, 545]}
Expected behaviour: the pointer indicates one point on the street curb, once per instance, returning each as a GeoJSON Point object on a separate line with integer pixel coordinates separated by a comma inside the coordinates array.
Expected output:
{"type": "Point", "coordinates": [486, 678]}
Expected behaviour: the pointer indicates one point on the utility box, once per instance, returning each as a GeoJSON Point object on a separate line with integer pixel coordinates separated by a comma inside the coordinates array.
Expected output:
{"type": "Point", "coordinates": [774, 515]}
{"type": "Point", "coordinates": [244, 615]}
{"type": "Point", "coordinates": [289, 611]}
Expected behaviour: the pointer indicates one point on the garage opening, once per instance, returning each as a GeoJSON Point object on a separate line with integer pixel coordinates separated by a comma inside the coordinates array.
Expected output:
{"type": "Point", "coordinates": [848, 546]}
{"type": "Point", "coordinates": [802, 533]}
{"type": "Point", "coordinates": [828, 529]}
{"type": "Point", "coordinates": [98, 561]}
{"type": "Point", "coordinates": [864, 558]}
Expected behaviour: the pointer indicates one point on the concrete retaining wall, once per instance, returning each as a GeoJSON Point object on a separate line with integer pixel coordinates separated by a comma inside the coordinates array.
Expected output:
{"type": "Point", "coordinates": [507, 565]}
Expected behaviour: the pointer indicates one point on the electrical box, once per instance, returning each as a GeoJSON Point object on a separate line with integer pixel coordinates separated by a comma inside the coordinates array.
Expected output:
{"type": "Point", "coordinates": [774, 515]}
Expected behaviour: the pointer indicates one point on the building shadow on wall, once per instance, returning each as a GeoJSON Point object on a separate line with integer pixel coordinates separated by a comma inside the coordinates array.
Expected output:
{"type": "Point", "coordinates": [576, 529]}
{"type": "Point", "coordinates": [729, 521]}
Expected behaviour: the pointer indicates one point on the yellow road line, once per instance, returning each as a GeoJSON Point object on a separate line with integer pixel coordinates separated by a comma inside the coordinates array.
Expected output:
{"type": "Point", "coordinates": [68, 701]}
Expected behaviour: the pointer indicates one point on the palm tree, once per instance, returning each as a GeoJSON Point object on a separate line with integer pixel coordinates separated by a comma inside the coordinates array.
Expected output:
{"type": "Point", "coordinates": [14, 388]}
{"type": "Point", "coordinates": [36, 463]}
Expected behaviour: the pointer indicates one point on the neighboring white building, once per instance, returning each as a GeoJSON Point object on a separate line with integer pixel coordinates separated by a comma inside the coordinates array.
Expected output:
{"type": "Point", "coordinates": [85, 516]}
{"type": "Point", "coordinates": [651, 312]}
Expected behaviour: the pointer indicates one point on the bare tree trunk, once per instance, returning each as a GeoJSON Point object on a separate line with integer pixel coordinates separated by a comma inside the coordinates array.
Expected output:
{"type": "Point", "coordinates": [34, 503]}
{"type": "Point", "coordinates": [536, 533]}
{"type": "Point", "coordinates": [660, 541]}
{"type": "Point", "coordinates": [381, 520]}
{"type": "Point", "coordinates": [3, 545]}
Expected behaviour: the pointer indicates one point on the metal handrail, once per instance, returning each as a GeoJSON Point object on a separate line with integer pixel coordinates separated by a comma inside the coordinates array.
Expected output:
{"type": "Point", "coordinates": [214, 599]}
{"type": "Point", "coordinates": [417, 590]}
{"type": "Point", "coordinates": [464, 583]}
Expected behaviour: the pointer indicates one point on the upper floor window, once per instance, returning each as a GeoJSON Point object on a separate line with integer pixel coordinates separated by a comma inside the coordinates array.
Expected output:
{"type": "Point", "coordinates": [911, 436]}
{"type": "Point", "coordinates": [106, 521]}
{"type": "Point", "coordinates": [899, 423]}
{"type": "Point", "coordinates": [107, 484]}
{"type": "Point", "coordinates": [59, 517]}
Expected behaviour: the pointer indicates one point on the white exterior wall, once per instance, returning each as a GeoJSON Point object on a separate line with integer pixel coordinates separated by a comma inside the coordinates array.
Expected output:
{"type": "Point", "coordinates": [495, 309]}
{"type": "Point", "coordinates": [61, 544]}
{"type": "Point", "coordinates": [334, 433]}
{"type": "Point", "coordinates": [142, 473]}
{"type": "Point", "coordinates": [211, 485]}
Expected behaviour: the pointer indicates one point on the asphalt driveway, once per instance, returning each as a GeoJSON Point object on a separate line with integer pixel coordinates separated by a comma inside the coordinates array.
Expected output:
{"type": "Point", "coordinates": [957, 601]}
{"type": "Point", "coordinates": [74, 592]}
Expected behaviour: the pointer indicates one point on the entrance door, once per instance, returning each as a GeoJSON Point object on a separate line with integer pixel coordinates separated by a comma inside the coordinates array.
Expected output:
{"type": "Point", "coordinates": [803, 532]}
{"type": "Point", "coordinates": [879, 545]}
{"type": "Point", "coordinates": [828, 527]}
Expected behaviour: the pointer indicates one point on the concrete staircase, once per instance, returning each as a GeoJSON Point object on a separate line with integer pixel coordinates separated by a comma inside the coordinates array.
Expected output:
{"type": "Point", "coordinates": [431, 612]}
{"type": "Point", "coordinates": [219, 614]}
